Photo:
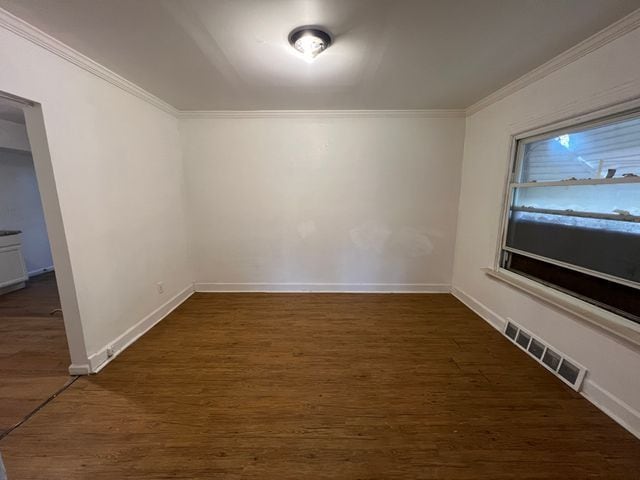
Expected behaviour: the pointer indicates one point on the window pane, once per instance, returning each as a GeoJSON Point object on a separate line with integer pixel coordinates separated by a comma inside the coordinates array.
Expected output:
{"type": "Point", "coordinates": [597, 152]}
{"type": "Point", "coordinates": [621, 198]}
{"type": "Point", "coordinates": [617, 298]}
{"type": "Point", "coordinates": [606, 246]}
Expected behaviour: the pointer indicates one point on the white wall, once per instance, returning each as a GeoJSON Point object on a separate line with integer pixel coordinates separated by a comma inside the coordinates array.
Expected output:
{"type": "Point", "coordinates": [21, 208]}
{"type": "Point", "coordinates": [118, 175]}
{"type": "Point", "coordinates": [323, 202]}
{"type": "Point", "coordinates": [297, 203]}
{"type": "Point", "coordinates": [603, 77]}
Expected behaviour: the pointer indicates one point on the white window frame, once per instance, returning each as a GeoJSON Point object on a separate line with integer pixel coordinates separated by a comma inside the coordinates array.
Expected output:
{"type": "Point", "coordinates": [620, 326]}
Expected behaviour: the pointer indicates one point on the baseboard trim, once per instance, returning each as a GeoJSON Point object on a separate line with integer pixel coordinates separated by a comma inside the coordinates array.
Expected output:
{"type": "Point", "coordinates": [84, 369]}
{"type": "Point", "coordinates": [623, 414]}
{"type": "Point", "coordinates": [40, 271]}
{"type": "Point", "coordinates": [480, 308]}
{"type": "Point", "coordinates": [323, 287]}
{"type": "Point", "coordinates": [101, 358]}
{"type": "Point", "coordinates": [12, 288]}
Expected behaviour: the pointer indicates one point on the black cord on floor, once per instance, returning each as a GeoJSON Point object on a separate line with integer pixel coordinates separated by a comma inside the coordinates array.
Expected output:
{"type": "Point", "coordinates": [39, 407]}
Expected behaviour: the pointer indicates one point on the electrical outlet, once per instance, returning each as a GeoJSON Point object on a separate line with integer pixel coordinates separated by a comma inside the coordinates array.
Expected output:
{"type": "Point", "coordinates": [160, 287]}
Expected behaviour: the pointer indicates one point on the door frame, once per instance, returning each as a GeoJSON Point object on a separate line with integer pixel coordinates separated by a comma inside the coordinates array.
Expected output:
{"type": "Point", "coordinates": [45, 176]}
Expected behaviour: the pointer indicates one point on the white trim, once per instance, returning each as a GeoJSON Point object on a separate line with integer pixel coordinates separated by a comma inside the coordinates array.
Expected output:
{"type": "Point", "coordinates": [619, 100]}
{"type": "Point", "coordinates": [40, 271]}
{"type": "Point", "coordinates": [594, 42]}
{"type": "Point", "coordinates": [36, 36]}
{"type": "Point", "coordinates": [65, 279]}
{"type": "Point", "coordinates": [620, 328]}
{"type": "Point", "coordinates": [325, 287]}
{"type": "Point", "coordinates": [12, 288]}
{"type": "Point", "coordinates": [616, 217]}
{"type": "Point", "coordinates": [101, 358]}
{"type": "Point", "coordinates": [227, 114]}
{"type": "Point", "coordinates": [607, 107]}
{"type": "Point", "coordinates": [623, 414]}
{"type": "Point", "coordinates": [84, 369]}
{"type": "Point", "coordinates": [572, 183]}
{"type": "Point", "coordinates": [575, 117]}
{"type": "Point", "coordinates": [569, 266]}
{"type": "Point", "coordinates": [481, 309]}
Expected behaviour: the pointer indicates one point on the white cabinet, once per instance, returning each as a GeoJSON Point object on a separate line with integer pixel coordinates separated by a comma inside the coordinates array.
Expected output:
{"type": "Point", "coordinates": [13, 271]}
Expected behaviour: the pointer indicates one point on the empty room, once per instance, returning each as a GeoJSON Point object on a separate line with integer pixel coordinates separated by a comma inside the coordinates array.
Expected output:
{"type": "Point", "coordinates": [319, 239]}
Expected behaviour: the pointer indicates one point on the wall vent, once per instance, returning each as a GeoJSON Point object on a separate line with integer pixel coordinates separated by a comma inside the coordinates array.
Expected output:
{"type": "Point", "coordinates": [570, 372]}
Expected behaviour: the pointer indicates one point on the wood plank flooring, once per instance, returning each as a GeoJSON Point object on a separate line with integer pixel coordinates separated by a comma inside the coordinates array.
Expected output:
{"type": "Point", "coordinates": [321, 386]}
{"type": "Point", "coordinates": [33, 349]}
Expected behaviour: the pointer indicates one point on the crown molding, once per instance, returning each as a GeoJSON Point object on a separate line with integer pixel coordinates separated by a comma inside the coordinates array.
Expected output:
{"type": "Point", "coordinates": [600, 39]}
{"type": "Point", "coordinates": [36, 36]}
{"type": "Point", "coordinates": [243, 114]}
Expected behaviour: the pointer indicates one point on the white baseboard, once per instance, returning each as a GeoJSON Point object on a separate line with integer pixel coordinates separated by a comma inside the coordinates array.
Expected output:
{"type": "Point", "coordinates": [75, 369]}
{"type": "Point", "coordinates": [40, 271]}
{"type": "Point", "coordinates": [480, 308]}
{"type": "Point", "coordinates": [12, 288]}
{"type": "Point", "coordinates": [100, 359]}
{"type": "Point", "coordinates": [623, 414]}
{"type": "Point", "coordinates": [324, 287]}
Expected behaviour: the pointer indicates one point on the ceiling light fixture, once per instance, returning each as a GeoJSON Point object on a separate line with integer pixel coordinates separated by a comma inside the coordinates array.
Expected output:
{"type": "Point", "coordinates": [309, 41]}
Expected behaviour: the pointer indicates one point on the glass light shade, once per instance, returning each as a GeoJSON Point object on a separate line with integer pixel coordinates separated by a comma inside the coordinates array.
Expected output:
{"type": "Point", "coordinates": [309, 41]}
{"type": "Point", "coordinates": [309, 45]}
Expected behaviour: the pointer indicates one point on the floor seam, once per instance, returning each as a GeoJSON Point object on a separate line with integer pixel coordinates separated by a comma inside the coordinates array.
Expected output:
{"type": "Point", "coordinates": [40, 407]}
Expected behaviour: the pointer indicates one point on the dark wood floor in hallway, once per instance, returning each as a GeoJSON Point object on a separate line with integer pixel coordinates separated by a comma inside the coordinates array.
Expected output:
{"type": "Point", "coordinates": [34, 358]}
{"type": "Point", "coordinates": [321, 386]}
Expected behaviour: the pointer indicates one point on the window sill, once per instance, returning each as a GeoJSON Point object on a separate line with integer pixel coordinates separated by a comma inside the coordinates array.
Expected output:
{"type": "Point", "coordinates": [616, 325]}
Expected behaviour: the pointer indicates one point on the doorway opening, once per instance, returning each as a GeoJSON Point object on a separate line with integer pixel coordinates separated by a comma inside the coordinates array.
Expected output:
{"type": "Point", "coordinates": [36, 338]}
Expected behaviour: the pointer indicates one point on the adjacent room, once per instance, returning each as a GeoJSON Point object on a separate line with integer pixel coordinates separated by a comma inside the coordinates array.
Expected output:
{"type": "Point", "coordinates": [34, 358]}
{"type": "Point", "coordinates": [320, 239]}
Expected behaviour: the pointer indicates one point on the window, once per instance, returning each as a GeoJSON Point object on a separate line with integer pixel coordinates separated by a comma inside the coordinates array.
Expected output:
{"type": "Point", "coordinates": [573, 221]}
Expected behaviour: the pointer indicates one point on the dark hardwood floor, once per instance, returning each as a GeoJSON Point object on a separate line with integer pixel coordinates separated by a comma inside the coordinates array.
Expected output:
{"type": "Point", "coordinates": [33, 349]}
{"type": "Point", "coordinates": [321, 386]}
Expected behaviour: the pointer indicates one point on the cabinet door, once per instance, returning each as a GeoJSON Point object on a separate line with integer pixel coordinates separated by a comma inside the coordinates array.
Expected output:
{"type": "Point", "coordinates": [12, 267]}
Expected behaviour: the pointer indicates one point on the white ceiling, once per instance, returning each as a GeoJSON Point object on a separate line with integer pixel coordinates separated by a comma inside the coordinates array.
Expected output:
{"type": "Point", "coordinates": [388, 54]}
